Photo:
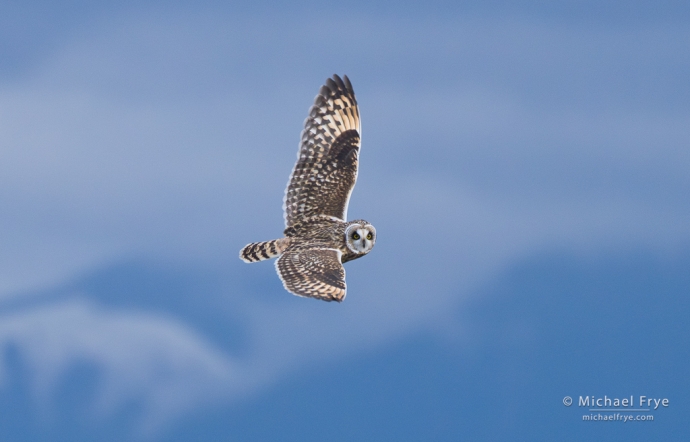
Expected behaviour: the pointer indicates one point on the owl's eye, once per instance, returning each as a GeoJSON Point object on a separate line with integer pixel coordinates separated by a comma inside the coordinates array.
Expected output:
{"type": "Point", "coordinates": [356, 236]}
{"type": "Point", "coordinates": [370, 236]}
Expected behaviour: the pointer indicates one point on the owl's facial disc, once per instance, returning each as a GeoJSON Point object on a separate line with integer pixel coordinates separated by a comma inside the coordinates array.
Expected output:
{"type": "Point", "coordinates": [360, 238]}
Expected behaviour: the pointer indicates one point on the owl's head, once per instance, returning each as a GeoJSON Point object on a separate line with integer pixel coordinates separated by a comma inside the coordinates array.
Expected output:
{"type": "Point", "coordinates": [360, 237]}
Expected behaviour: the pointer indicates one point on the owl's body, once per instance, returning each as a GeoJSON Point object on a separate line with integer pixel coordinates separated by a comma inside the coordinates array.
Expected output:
{"type": "Point", "coordinates": [318, 239]}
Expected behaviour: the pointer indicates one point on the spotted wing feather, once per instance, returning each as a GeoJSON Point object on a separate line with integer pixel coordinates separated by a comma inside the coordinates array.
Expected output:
{"type": "Point", "coordinates": [315, 273]}
{"type": "Point", "coordinates": [326, 169]}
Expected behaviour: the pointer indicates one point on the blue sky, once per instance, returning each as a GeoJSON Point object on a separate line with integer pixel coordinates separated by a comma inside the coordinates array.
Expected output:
{"type": "Point", "coordinates": [525, 165]}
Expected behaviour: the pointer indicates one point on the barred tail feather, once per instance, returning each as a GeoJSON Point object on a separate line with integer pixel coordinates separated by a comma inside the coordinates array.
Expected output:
{"type": "Point", "coordinates": [259, 251]}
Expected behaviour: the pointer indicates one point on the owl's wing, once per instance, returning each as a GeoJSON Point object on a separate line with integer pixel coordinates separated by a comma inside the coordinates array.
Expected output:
{"type": "Point", "coordinates": [326, 168]}
{"type": "Point", "coordinates": [315, 273]}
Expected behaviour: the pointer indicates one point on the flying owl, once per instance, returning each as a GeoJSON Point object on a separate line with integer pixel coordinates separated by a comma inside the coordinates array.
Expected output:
{"type": "Point", "coordinates": [318, 238]}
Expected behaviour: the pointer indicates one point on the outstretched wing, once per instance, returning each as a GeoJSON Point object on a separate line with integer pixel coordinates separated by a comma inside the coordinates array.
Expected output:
{"type": "Point", "coordinates": [326, 168]}
{"type": "Point", "coordinates": [315, 273]}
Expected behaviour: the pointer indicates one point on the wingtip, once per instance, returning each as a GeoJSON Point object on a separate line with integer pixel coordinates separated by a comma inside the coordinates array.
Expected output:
{"type": "Point", "coordinates": [332, 85]}
{"type": "Point", "coordinates": [325, 91]}
{"type": "Point", "coordinates": [348, 85]}
{"type": "Point", "coordinates": [242, 255]}
{"type": "Point", "coordinates": [344, 83]}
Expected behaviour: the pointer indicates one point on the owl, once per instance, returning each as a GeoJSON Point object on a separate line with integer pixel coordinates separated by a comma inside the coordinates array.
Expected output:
{"type": "Point", "coordinates": [318, 239]}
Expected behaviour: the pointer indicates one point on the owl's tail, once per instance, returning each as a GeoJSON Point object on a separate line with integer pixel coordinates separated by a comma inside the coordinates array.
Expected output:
{"type": "Point", "coordinates": [258, 251]}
